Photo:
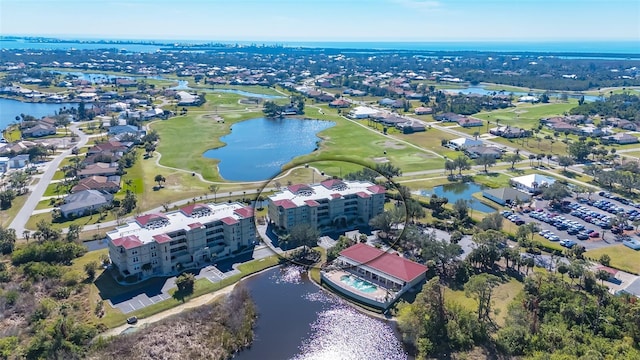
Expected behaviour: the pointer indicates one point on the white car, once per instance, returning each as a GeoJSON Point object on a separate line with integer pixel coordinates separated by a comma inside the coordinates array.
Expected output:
{"type": "Point", "coordinates": [554, 238]}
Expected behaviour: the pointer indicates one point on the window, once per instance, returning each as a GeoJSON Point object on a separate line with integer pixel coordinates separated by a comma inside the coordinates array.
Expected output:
{"type": "Point", "coordinates": [135, 259]}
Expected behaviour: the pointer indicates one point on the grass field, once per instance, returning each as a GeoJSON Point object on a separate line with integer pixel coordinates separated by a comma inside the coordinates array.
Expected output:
{"type": "Point", "coordinates": [526, 115]}
{"type": "Point", "coordinates": [503, 295]}
{"type": "Point", "coordinates": [6, 216]}
{"type": "Point", "coordinates": [622, 257]}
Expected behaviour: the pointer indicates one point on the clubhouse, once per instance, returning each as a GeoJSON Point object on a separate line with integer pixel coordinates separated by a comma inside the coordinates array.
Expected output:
{"type": "Point", "coordinates": [372, 276]}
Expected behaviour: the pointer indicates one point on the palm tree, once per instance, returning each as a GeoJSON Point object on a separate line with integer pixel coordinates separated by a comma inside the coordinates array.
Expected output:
{"type": "Point", "coordinates": [214, 189]}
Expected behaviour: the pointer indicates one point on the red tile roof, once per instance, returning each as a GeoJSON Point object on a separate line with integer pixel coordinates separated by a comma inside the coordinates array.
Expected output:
{"type": "Point", "coordinates": [285, 203]}
{"type": "Point", "coordinates": [188, 210]}
{"type": "Point", "coordinates": [363, 194]}
{"type": "Point", "coordinates": [245, 212]}
{"type": "Point", "coordinates": [143, 220]}
{"type": "Point", "coordinates": [329, 184]}
{"type": "Point", "coordinates": [162, 238]}
{"type": "Point", "coordinates": [195, 225]}
{"type": "Point", "coordinates": [229, 220]}
{"type": "Point", "coordinates": [611, 271]}
{"type": "Point", "coordinates": [377, 189]}
{"type": "Point", "coordinates": [312, 203]}
{"type": "Point", "coordinates": [336, 196]}
{"type": "Point", "coordinates": [387, 263]}
{"type": "Point", "coordinates": [128, 242]}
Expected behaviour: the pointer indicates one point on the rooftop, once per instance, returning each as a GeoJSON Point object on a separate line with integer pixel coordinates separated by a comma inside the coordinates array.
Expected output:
{"type": "Point", "coordinates": [385, 262]}
{"type": "Point", "coordinates": [153, 227]}
{"type": "Point", "coordinates": [328, 189]}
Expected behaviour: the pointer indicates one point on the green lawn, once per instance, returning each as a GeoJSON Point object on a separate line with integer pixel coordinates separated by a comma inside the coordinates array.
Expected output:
{"type": "Point", "coordinates": [622, 257]}
{"type": "Point", "coordinates": [526, 115]}
{"type": "Point", "coordinates": [6, 216]}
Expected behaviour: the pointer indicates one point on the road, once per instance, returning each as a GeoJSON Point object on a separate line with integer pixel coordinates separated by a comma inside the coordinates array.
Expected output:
{"type": "Point", "coordinates": [35, 196]}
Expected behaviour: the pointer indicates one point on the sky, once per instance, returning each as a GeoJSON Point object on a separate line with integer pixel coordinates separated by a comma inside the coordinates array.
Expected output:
{"type": "Point", "coordinates": [326, 20]}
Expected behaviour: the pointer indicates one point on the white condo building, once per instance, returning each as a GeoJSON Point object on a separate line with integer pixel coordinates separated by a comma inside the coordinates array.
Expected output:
{"type": "Point", "coordinates": [162, 244]}
{"type": "Point", "coordinates": [329, 205]}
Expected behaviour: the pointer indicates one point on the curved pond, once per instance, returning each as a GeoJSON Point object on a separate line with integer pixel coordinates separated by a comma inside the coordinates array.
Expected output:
{"type": "Point", "coordinates": [247, 94]}
{"type": "Point", "coordinates": [297, 320]}
{"type": "Point", "coordinates": [480, 89]}
{"type": "Point", "coordinates": [456, 191]}
{"type": "Point", "coordinates": [256, 149]}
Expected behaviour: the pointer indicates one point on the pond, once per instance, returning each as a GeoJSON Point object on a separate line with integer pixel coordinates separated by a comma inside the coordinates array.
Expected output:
{"type": "Point", "coordinates": [94, 78]}
{"type": "Point", "coordinates": [248, 94]}
{"type": "Point", "coordinates": [256, 149]}
{"type": "Point", "coordinates": [455, 191]}
{"type": "Point", "coordinates": [480, 89]}
{"type": "Point", "coordinates": [10, 108]}
{"type": "Point", "coordinates": [298, 320]}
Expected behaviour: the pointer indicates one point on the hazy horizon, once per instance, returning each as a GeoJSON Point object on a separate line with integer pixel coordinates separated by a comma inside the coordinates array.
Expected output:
{"type": "Point", "coordinates": [326, 21]}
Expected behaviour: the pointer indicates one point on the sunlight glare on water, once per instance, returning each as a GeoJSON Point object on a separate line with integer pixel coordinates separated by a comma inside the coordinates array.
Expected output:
{"type": "Point", "coordinates": [342, 332]}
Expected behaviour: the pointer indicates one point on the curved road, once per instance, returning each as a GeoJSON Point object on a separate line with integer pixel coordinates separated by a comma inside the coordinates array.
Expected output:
{"type": "Point", "coordinates": [19, 222]}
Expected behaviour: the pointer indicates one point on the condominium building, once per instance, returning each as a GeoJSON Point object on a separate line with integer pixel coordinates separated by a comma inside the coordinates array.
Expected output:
{"type": "Point", "coordinates": [161, 244]}
{"type": "Point", "coordinates": [329, 205]}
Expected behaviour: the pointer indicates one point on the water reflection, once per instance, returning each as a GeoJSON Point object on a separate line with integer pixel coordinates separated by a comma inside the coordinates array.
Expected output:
{"type": "Point", "coordinates": [298, 320]}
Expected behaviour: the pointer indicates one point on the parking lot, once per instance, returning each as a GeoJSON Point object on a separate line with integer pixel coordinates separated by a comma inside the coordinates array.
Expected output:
{"type": "Point", "coordinates": [587, 222]}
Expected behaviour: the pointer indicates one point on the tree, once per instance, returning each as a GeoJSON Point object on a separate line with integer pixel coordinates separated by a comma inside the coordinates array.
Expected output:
{"type": "Point", "coordinates": [563, 269]}
{"type": "Point", "coordinates": [512, 159]}
{"type": "Point", "coordinates": [6, 198]}
{"type": "Point", "coordinates": [214, 189]}
{"type": "Point", "coordinates": [565, 161]}
{"type": "Point", "coordinates": [73, 233]}
{"type": "Point", "coordinates": [90, 268]}
{"type": "Point", "coordinates": [579, 150]}
{"type": "Point", "coordinates": [304, 235]}
{"type": "Point", "coordinates": [7, 240]}
{"type": "Point", "coordinates": [450, 166]}
{"type": "Point", "coordinates": [149, 148]}
{"type": "Point", "coordinates": [160, 180]}
{"type": "Point", "coordinates": [486, 161]}
{"type": "Point", "coordinates": [461, 208]}
{"type": "Point", "coordinates": [492, 221]}
{"type": "Point", "coordinates": [129, 202]}
{"type": "Point", "coordinates": [555, 192]}
{"type": "Point", "coordinates": [382, 221]}
{"type": "Point", "coordinates": [480, 287]}
{"type": "Point", "coordinates": [605, 259]}
{"type": "Point", "coordinates": [462, 163]}
{"type": "Point", "coordinates": [185, 283]}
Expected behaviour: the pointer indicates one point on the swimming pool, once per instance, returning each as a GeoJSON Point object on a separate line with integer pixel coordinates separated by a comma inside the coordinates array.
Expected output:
{"type": "Point", "coordinates": [358, 284]}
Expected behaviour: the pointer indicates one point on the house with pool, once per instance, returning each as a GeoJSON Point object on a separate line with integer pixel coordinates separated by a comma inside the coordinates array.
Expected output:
{"type": "Point", "coordinates": [371, 276]}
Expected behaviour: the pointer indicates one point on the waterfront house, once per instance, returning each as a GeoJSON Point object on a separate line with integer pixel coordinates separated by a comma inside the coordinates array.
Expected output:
{"type": "Point", "coordinates": [39, 130]}
{"type": "Point", "coordinates": [372, 276]}
{"type": "Point", "coordinates": [339, 103]}
{"type": "Point", "coordinates": [160, 244]}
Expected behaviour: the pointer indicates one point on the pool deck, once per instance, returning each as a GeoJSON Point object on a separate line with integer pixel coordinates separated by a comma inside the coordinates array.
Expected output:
{"type": "Point", "coordinates": [380, 295]}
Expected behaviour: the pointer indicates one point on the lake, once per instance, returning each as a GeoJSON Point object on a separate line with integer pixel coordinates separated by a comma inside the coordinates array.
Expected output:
{"type": "Point", "coordinates": [257, 149]}
{"type": "Point", "coordinates": [95, 78]}
{"type": "Point", "coordinates": [479, 89]}
{"type": "Point", "coordinates": [455, 191]}
{"type": "Point", "coordinates": [10, 108]}
{"type": "Point", "coordinates": [298, 320]}
{"type": "Point", "coordinates": [248, 94]}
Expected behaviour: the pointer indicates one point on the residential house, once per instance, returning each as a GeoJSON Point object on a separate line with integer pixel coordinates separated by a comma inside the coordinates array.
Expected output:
{"type": "Point", "coordinates": [532, 183]}
{"type": "Point", "coordinates": [110, 184]}
{"type": "Point", "coordinates": [470, 122]}
{"type": "Point", "coordinates": [326, 206]}
{"type": "Point", "coordinates": [126, 129]}
{"type": "Point", "coordinates": [84, 202]}
{"type": "Point", "coordinates": [421, 110]}
{"type": "Point", "coordinates": [481, 150]}
{"type": "Point", "coordinates": [620, 138]}
{"type": "Point", "coordinates": [339, 103]}
{"type": "Point", "coordinates": [411, 127]}
{"type": "Point", "coordinates": [194, 236]}
{"type": "Point", "coordinates": [386, 102]}
{"type": "Point", "coordinates": [463, 143]}
{"type": "Point", "coordinates": [99, 169]}
{"type": "Point", "coordinates": [110, 146]}
{"type": "Point", "coordinates": [449, 117]}
{"type": "Point", "coordinates": [19, 161]}
{"type": "Point", "coordinates": [510, 132]}
{"type": "Point", "coordinates": [186, 99]}
{"type": "Point", "coordinates": [4, 164]}
{"type": "Point", "coordinates": [39, 130]}
{"type": "Point", "coordinates": [362, 112]}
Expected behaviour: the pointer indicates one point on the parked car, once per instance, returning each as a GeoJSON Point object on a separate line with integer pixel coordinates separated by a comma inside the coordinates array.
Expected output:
{"type": "Point", "coordinates": [132, 320]}
{"type": "Point", "coordinates": [594, 234]}
{"type": "Point", "coordinates": [568, 243]}
{"type": "Point", "coordinates": [582, 236]}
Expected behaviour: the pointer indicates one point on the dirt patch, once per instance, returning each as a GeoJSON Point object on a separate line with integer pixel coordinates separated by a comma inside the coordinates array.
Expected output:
{"type": "Point", "coordinates": [521, 111]}
{"type": "Point", "coordinates": [381, 160]}
{"type": "Point", "coordinates": [214, 117]}
{"type": "Point", "coordinates": [393, 145]}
